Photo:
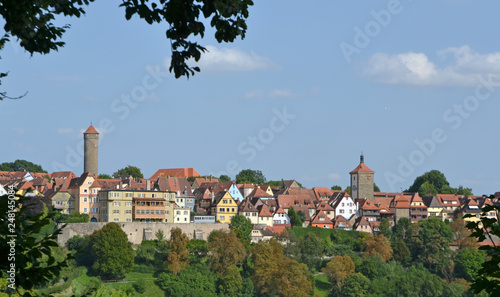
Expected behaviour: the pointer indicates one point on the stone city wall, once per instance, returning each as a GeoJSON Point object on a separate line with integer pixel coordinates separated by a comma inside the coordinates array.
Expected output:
{"type": "Point", "coordinates": [137, 232]}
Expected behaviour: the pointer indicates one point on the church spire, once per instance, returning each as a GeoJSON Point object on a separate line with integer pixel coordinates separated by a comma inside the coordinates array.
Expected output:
{"type": "Point", "coordinates": [361, 158]}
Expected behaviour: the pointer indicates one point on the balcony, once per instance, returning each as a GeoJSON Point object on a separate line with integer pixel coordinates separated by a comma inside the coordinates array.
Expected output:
{"type": "Point", "coordinates": [418, 213]}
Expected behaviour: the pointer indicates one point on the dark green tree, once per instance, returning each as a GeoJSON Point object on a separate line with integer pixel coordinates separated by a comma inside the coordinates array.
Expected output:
{"type": "Point", "coordinates": [249, 176]}
{"type": "Point", "coordinates": [145, 253]}
{"type": "Point", "coordinates": [76, 217]}
{"type": "Point", "coordinates": [20, 165]}
{"type": "Point", "coordinates": [310, 250]}
{"type": "Point", "coordinates": [400, 252]}
{"type": "Point", "coordinates": [242, 227]}
{"type": "Point", "coordinates": [348, 190]}
{"type": "Point", "coordinates": [133, 171]}
{"type": "Point", "coordinates": [385, 227]}
{"type": "Point", "coordinates": [355, 285]}
{"type": "Point", "coordinates": [429, 243]}
{"type": "Point", "coordinates": [36, 263]}
{"type": "Point", "coordinates": [468, 262]}
{"type": "Point", "coordinates": [294, 217]}
{"type": "Point", "coordinates": [336, 188]}
{"type": "Point", "coordinates": [400, 230]}
{"type": "Point", "coordinates": [376, 188]}
{"type": "Point", "coordinates": [104, 176]}
{"type": "Point", "coordinates": [80, 246]}
{"type": "Point", "coordinates": [275, 183]}
{"type": "Point", "coordinates": [427, 189]}
{"type": "Point", "coordinates": [111, 252]}
{"type": "Point", "coordinates": [198, 249]}
{"type": "Point", "coordinates": [224, 178]}
{"type": "Point", "coordinates": [230, 282]}
{"type": "Point", "coordinates": [433, 178]}
{"type": "Point", "coordinates": [196, 280]}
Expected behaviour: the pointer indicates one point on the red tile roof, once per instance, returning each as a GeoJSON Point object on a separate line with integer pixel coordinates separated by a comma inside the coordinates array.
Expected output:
{"type": "Point", "coordinates": [277, 229]}
{"type": "Point", "coordinates": [91, 130]}
{"type": "Point", "coordinates": [177, 172]}
{"type": "Point", "coordinates": [258, 192]}
{"type": "Point", "coordinates": [264, 211]}
{"type": "Point", "coordinates": [362, 168]}
{"type": "Point", "coordinates": [321, 218]}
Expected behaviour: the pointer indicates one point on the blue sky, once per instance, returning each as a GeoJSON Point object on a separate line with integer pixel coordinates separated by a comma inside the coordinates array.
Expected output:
{"type": "Point", "coordinates": [412, 84]}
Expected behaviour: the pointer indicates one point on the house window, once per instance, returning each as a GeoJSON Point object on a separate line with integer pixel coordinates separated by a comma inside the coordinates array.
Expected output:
{"type": "Point", "coordinates": [154, 195]}
{"type": "Point", "coordinates": [85, 199]}
{"type": "Point", "coordinates": [137, 212]}
{"type": "Point", "coordinates": [157, 212]}
{"type": "Point", "coordinates": [84, 210]}
{"type": "Point", "coordinates": [116, 211]}
{"type": "Point", "coordinates": [129, 204]}
{"type": "Point", "coordinates": [224, 201]}
{"type": "Point", "coordinates": [222, 218]}
{"type": "Point", "coordinates": [117, 203]}
{"type": "Point", "coordinates": [116, 220]}
{"type": "Point", "coordinates": [341, 211]}
{"type": "Point", "coordinates": [186, 212]}
{"type": "Point", "coordinates": [142, 211]}
{"type": "Point", "coordinates": [178, 212]}
{"type": "Point", "coordinates": [116, 194]}
{"type": "Point", "coordinates": [129, 220]}
{"type": "Point", "coordinates": [128, 211]}
{"type": "Point", "coordinates": [128, 195]}
{"type": "Point", "coordinates": [147, 211]}
{"type": "Point", "coordinates": [161, 212]}
{"type": "Point", "coordinates": [85, 191]}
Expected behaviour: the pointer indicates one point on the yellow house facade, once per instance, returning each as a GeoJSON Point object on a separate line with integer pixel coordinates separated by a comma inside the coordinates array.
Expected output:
{"type": "Point", "coordinates": [224, 208]}
{"type": "Point", "coordinates": [118, 205]}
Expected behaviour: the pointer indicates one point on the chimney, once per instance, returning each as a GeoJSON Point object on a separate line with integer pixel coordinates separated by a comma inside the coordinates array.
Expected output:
{"type": "Point", "coordinates": [130, 183]}
{"type": "Point", "coordinates": [121, 184]}
{"type": "Point", "coordinates": [212, 192]}
{"type": "Point", "coordinates": [148, 185]}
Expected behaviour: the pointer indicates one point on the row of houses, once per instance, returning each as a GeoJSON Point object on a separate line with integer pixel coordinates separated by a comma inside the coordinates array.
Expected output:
{"type": "Point", "coordinates": [167, 198]}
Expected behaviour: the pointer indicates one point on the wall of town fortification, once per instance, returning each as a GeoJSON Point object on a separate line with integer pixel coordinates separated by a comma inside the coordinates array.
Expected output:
{"type": "Point", "coordinates": [137, 232]}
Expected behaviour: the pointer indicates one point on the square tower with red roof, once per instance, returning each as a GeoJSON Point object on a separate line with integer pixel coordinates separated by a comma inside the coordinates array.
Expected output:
{"type": "Point", "coordinates": [362, 181]}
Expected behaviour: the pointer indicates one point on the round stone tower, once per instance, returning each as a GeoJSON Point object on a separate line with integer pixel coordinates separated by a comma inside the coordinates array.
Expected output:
{"type": "Point", "coordinates": [91, 145]}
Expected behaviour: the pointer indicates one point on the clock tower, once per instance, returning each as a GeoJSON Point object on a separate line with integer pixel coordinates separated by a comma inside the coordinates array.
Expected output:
{"type": "Point", "coordinates": [362, 181]}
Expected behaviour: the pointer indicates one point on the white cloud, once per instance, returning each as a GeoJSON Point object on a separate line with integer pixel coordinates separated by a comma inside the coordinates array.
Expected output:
{"type": "Point", "coordinates": [281, 93]}
{"type": "Point", "coordinates": [228, 59]}
{"type": "Point", "coordinates": [334, 176]}
{"type": "Point", "coordinates": [278, 93]}
{"type": "Point", "coordinates": [254, 95]}
{"type": "Point", "coordinates": [411, 68]}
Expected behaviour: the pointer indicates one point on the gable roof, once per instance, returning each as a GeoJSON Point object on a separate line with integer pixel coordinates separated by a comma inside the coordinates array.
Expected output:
{"type": "Point", "coordinates": [177, 172]}
{"type": "Point", "coordinates": [258, 192]}
{"type": "Point", "coordinates": [63, 174]}
{"type": "Point", "coordinates": [341, 219]}
{"type": "Point", "coordinates": [322, 192]}
{"type": "Point", "coordinates": [321, 218]}
{"type": "Point", "coordinates": [264, 211]}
